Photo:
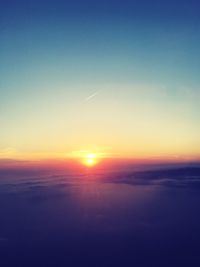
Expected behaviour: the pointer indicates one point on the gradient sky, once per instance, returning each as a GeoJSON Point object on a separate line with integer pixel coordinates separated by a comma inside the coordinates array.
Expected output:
{"type": "Point", "coordinates": [115, 76]}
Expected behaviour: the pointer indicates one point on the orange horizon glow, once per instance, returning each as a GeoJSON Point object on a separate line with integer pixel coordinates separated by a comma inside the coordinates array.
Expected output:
{"type": "Point", "coordinates": [91, 156]}
{"type": "Point", "coordinates": [84, 154]}
{"type": "Point", "coordinates": [91, 161]}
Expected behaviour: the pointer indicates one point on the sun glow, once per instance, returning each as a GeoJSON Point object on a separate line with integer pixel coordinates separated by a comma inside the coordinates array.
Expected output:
{"type": "Point", "coordinates": [90, 159]}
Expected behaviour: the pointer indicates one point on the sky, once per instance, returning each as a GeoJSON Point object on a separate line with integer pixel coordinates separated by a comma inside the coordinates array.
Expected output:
{"type": "Point", "coordinates": [117, 77]}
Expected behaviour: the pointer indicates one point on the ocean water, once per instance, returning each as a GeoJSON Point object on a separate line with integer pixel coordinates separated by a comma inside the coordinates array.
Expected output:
{"type": "Point", "coordinates": [89, 217]}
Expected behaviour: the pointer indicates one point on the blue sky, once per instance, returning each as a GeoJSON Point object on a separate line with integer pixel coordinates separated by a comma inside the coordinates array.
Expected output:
{"type": "Point", "coordinates": [142, 57]}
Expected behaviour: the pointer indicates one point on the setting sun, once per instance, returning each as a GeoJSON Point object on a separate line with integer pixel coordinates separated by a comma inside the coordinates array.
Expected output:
{"type": "Point", "coordinates": [90, 159]}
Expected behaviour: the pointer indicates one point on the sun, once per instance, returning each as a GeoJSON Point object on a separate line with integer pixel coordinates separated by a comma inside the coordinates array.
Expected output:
{"type": "Point", "coordinates": [89, 162]}
{"type": "Point", "coordinates": [90, 159]}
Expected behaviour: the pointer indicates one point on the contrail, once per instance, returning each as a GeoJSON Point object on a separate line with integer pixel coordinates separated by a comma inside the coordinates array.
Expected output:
{"type": "Point", "coordinates": [91, 96]}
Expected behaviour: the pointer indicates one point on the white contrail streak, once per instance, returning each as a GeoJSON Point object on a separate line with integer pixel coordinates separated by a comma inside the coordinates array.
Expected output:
{"type": "Point", "coordinates": [91, 96]}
